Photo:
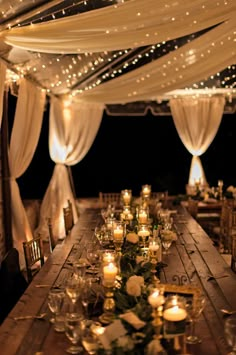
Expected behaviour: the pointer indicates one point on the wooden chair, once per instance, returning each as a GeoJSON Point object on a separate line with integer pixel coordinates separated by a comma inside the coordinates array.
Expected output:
{"type": "Point", "coordinates": [68, 217]}
{"type": "Point", "coordinates": [106, 198]}
{"type": "Point", "coordinates": [51, 238]}
{"type": "Point", "coordinates": [34, 255]}
{"type": "Point", "coordinates": [193, 207]}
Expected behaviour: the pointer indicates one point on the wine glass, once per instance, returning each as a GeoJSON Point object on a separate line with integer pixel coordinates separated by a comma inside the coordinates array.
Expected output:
{"type": "Point", "coordinates": [194, 310]}
{"type": "Point", "coordinates": [73, 332]}
{"type": "Point", "coordinates": [166, 241]}
{"type": "Point", "coordinates": [73, 288]}
{"type": "Point", "coordinates": [230, 333]}
{"type": "Point", "coordinates": [55, 301]}
{"type": "Point", "coordinates": [85, 295]}
{"type": "Point", "coordinates": [93, 257]}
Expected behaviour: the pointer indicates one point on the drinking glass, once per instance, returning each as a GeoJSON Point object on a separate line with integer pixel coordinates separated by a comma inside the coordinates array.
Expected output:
{"type": "Point", "coordinates": [55, 301]}
{"type": "Point", "coordinates": [73, 332]}
{"type": "Point", "coordinates": [194, 310]}
{"type": "Point", "coordinates": [73, 288]}
{"type": "Point", "coordinates": [80, 267]}
{"type": "Point", "coordinates": [86, 295]}
{"type": "Point", "coordinates": [166, 241]}
{"type": "Point", "coordinates": [93, 257]}
{"type": "Point", "coordinates": [230, 333]}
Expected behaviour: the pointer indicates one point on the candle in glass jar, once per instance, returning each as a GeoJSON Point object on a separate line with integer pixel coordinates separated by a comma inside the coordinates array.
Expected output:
{"type": "Point", "coordinates": [142, 217]}
{"type": "Point", "coordinates": [109, 273]}
{"type": "Point", "coordinates": [143, 233]}
{"type": "Point", "coordinates": [174, 314]}
{"type": "Point", "coordinates": [118, 233]}
{"type": "Point", "coordinates": [108, 257]}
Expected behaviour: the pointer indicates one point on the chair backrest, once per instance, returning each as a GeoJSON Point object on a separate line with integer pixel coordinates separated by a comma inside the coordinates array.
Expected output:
{"type": "Point", "coordinates": [193, 207]}
{"type": "Point", "coordinates": [51, 238]}
{"type": "Point", "coordinates": [227, 222]}
{"type": "Point", "coordinates": [34, 253]}
{"type": "Point", "coordinates": [106, 198]}
{"type": "Point", "coordinates": [68, 217]}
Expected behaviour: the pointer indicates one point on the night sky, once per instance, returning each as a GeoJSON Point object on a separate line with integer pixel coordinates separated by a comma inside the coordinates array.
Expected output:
{"type": "Point", "coordinates": [131, 151]}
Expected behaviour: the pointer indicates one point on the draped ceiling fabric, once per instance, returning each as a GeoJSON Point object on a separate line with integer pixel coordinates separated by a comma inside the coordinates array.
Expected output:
{"type": "Point", "coordinates": [72, 130]}
{"type": "Point", "coordinates": [177, 69]}
{"type": "Point", "coordinates": [129, 24]}
{"type": "Point", "coordinates": [24, 139]}
{"type": "Point", "coordinates": [197, 121]}
{"type": "Point", "coordinates": [2, 85]}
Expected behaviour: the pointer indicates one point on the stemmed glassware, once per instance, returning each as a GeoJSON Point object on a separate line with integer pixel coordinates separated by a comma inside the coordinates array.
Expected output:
{"type": "Point", "coordinates": [88, 338]}
{"type": "Point", "coordinates": [166, 240]}
{"type": "Point", "coordinates": [73, 288]}
{"type": "Point", "coordinates": [194, 310]}
{"type": "Point", "coordinates": [73, 332]}
{"type": "Point", "coordinates": [55, 301]}
{"type": "Point", "coordinates": [230, 333]}
{"type": "Point", "coordinates": [93, 256]}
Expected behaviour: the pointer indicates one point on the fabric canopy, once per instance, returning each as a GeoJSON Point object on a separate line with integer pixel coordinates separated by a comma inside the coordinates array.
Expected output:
{"type": "Point", "coordinates": [191, 63]}
{"type": "Point", "coordinates": [129, 24]}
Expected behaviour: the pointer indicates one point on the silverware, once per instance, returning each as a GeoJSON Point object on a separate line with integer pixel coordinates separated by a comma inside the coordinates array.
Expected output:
{"type": "Point", "coordinates": [40, 316]}
{"type": "Point", "coordinates": [228, 311]}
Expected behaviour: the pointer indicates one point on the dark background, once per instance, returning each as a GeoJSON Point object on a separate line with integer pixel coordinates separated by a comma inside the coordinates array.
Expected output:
{"type": "Point", "coordinates": [131, 151]}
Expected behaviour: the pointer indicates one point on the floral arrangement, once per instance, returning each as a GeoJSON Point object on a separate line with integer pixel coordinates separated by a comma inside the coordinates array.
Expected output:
{"type": "Point", "coordinates": [133, 319]}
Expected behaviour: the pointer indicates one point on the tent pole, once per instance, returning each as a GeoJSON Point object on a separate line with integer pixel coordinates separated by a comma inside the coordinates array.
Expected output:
{"type": "Point", "coordinates": [6, 189]}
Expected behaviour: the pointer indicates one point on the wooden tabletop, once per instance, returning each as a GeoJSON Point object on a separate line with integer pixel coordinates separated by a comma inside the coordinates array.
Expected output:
{"type": "Point", "coordinates": [193, 258]}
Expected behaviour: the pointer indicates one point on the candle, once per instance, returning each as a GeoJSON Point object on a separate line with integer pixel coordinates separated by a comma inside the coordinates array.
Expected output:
{"type": "Point", "coordinates": [142, 217]}
{"type": "Point", "coordinates": [109, 274]}
{"type": "Point", "coordinates": [156, 299]}
{"type": "Point", "coordinates": [143, 233]}
{"type": "Point", "coordinates": [174, 314]}
{"type": "Point", "coordinates": [118, 234]}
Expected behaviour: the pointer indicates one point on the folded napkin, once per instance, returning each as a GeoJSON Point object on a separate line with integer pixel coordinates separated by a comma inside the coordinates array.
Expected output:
{"type": "Point", "coordinates": [112, 332]}
{"type": "Point", "coordinates": [132, 319]}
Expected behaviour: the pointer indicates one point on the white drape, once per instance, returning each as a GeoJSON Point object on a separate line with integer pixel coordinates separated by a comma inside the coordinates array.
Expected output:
{"type": "Point", "coordinates": [197, 121]}
{"type": "Point", "coordinates": [73, 128]}
{"type": "Point", "coordinates": [175, 70]}
{"type": "Point", "coordinates": [130, 24]}
{"type": "Point", "coordinates": [2, 85]}
{"type": "Point", "coordinates": [24, 139]}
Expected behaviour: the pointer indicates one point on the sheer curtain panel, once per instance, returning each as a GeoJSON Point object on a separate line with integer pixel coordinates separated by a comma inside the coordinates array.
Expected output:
{"type": "Point", "coordinates": [197, 121]}
{"type": "Point", "coordinates": [24, 139]}
{"type": "Point", "coordinates": [72, 130]}
{"type": "Point", "coordinates": [2, 86]}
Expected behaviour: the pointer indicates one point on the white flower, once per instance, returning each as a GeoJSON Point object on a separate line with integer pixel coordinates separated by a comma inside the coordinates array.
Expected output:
{"type": "Point", "coordinates": [125, 342]}
{"type": "Point", "coordinates": [231, 189]}
{"type": "Point", "coordinates": [134, 285]}
{"type": "Point", "coordinates": [132, 238]}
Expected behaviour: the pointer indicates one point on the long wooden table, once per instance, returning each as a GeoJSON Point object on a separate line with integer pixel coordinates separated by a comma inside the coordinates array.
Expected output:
{"type": "Point", "coordinates": [193, 258]}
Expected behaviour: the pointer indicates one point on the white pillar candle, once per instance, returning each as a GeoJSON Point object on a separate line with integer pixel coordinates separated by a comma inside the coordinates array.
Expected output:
{"type": "Point", "coordinates": [118, 234]}
{"type": "Point", "coordinates": [174, 314]}
{"type": "Point", "coordinates": [109, 273]}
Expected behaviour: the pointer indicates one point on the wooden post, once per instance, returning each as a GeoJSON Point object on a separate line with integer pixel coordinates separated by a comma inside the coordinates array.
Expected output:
{"type": "Point", "coordinates": [6, 188]}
